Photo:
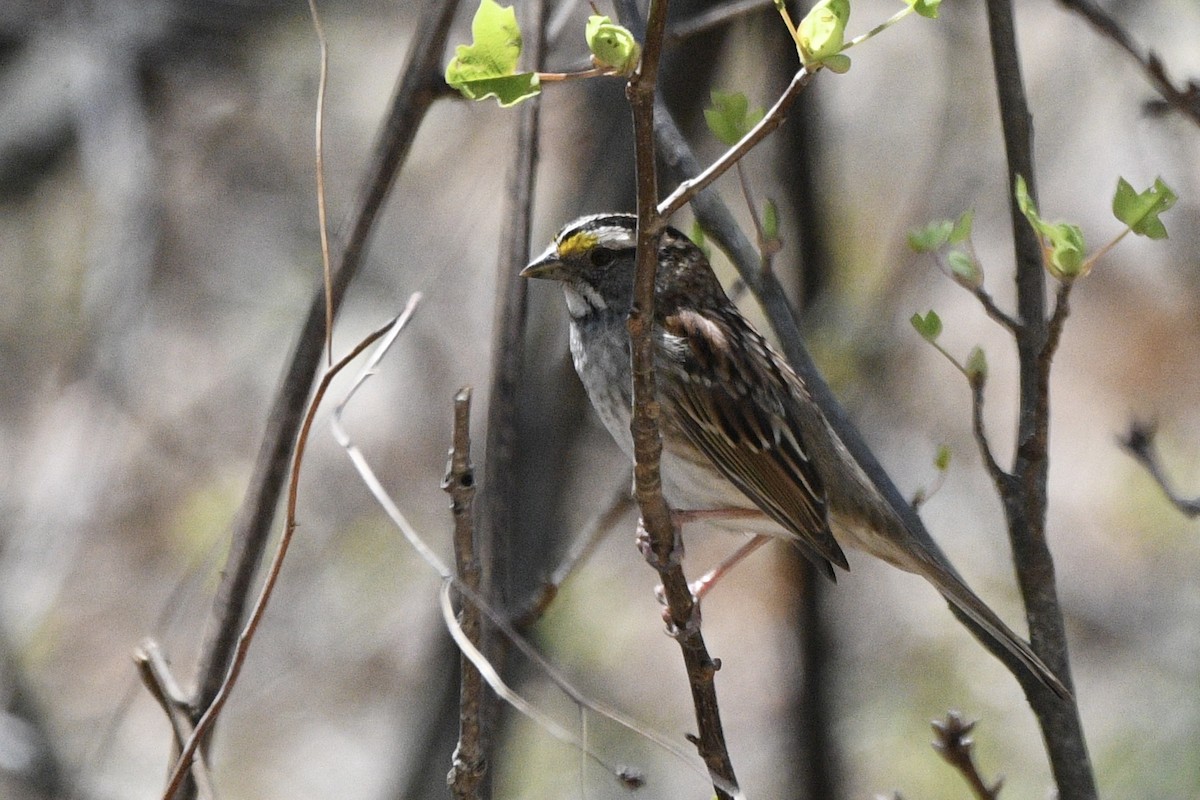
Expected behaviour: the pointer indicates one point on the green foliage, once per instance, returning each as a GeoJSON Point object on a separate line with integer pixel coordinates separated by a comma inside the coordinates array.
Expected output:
{"type": "Point", "coordinates": [613, 46]}
{"type": "Point", "coordinates": [941, 461]}
{"type": "Point", "coordinates": [696, 234]}
{"type": "Point", "coordinates": [730, 117]}
{"type": "Point", "coordinates": [929, 326]}
{"type": "Point", "coordinates": [487, 68]}
{"type": "Point", "coordinates": [964, 268]}
{"type": "Point", "coordinates": [976, 368]}
{"type": "Point", "coordinates": [820, 36]}
{"type": "Point", "coordinates": [1140, 210]}
{"type": "Point", "coordinates": [926, 8]}
{"type": "Point", "coordinates": [770, 220]}
{"type": "Point", "coordinates": [1062, 243]}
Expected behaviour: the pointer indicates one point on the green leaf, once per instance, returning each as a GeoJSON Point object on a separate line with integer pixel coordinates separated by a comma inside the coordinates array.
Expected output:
{"type": "Point", "coordinates": [770, 220]}
{"type": "Point", "coordinates": [1025, 204]}
{"type": "Point", "coordinates": [942, 460]}
{"type": "Point", "coordinates": [931, 237]}
{"type": "Point", "coordinates": [820, 36]}
{"type": "Point", "coordinates": [964, 269]}
{"type": "Point", "coordinates": [612, 45]}
{"type": "Point", "coordinates": [1140, 210]}
{"type": "Point", "coordinates": [487, 67]}
{"type": "Point", "coordinates": [1062, 243]}
{"type": "Point", "coordinates": [1066, 251]}
{"type": "Point", "coordinates": [976, 367]}
{"type": "Point", "coordinates": [730, 117]}
{"type": "Point", "coordinates": [961, 231]}
{"type": "Point", "coordinates": [926, 8]}
{"type": "Point", "coordinates": [929, 326]}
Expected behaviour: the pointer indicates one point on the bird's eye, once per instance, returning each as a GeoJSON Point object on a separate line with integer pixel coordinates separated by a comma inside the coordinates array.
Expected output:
{"type": "Point", "coordinates": [601, 257]}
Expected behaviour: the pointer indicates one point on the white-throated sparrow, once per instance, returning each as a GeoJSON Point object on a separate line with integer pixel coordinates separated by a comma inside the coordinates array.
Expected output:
{"type": "Point", "coordinates": [740, 431]}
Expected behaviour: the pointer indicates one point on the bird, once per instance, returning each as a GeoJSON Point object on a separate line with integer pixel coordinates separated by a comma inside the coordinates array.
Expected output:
{"type": "Point", "coordinates": [744, 442]}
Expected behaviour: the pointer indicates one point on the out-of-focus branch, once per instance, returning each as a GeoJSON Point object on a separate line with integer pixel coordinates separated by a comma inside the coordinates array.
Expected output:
{"type": "Point", "coordinates": [418, 87]}
{"type": "Point", "coordinates": [1185, 101]}
{"type": "Point", "coordinates": [955, 745]}
{"type": "Point", "coordinates": [469, 762]}
{"type": "Point", "coordinates": [1138, 441]}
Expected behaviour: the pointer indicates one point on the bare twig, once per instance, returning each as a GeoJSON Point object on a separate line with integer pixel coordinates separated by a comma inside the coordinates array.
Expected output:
{"type": "Point", "coordinates": [242, 646]}
{"type": "Point", "coordinates": [619, 501]}
{"type": "Point", "coordinates": [663, 547]}
{"type": "Point", "coordinates": [1186, 101]}
{"type": "Point", "coordinates": [955, 745]}
{"type": "Point", "coordinates": [469, 763]}
{"type": "Point", "coordinates": [1138, 441]}
{"type": "Point", "coordinates": [689, 188]}
{"type": "Point", "coordinates": [417, 89]}
{"type": "Point", "coordinates": [157, 678]}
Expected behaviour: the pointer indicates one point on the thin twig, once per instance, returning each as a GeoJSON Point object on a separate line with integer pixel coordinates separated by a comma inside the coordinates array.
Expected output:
{"type": "Point", "coordinates": [955, 745]}
{"type": "Point", "coordinates": [997, 473]}
{"type": "Point", "coordinates": [1138, 441]}
{"type": "Point", "coordinates": [601, 523]}
{"type": "Point", "coordinates": [157, 678]}
{"type": "Point", "coordinates": [1186, 101]}
{"type": "Point", "coordinates": [689, 188]}
{"type": "Point", "coordinates": [326, 268]}
{"type": "Point", "coordinates": [1010, 323]}
{"type": "Point", "coordinates": [209, 718]}
{"type": "Point", "coordinates": [469, 763]}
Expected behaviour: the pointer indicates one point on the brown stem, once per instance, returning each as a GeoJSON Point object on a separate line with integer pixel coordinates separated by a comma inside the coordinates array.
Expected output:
{"type": "Point", "coordinates": [1024, 497]}
{"type": "Point", "coordinates": [665, 549]}
{"type": "Point", "coordinates": [469, 763]}
{"type": "Point", "coordinates": [1185, 101]}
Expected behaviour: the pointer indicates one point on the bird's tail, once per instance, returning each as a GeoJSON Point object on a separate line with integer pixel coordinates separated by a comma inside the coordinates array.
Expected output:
{"type": "Point", "coordinates": [966, 601]}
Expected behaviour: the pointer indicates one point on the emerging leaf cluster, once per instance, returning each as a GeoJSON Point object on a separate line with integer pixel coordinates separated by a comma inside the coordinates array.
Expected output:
{"type": "Point", "coordinates": [488, 66]}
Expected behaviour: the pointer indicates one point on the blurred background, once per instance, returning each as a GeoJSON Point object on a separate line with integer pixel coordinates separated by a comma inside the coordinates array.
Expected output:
{"type": "Point", "coordinates": [160, 248]}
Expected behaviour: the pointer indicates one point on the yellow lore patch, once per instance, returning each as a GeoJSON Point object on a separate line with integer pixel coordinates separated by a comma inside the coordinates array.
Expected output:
{"type": "Point", "coordinates": [577, 244]}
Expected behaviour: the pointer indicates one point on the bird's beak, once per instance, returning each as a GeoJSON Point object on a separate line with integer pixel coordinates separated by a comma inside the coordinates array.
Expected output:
{"type": "Point", "coordinates": [547, 265]}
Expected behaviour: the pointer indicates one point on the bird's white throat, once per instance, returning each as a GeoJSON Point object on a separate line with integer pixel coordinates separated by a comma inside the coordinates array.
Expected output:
{"type": "Point", "coordinates": [582, 299]}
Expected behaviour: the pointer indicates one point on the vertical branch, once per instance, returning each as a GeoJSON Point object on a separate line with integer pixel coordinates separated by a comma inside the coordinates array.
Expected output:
{"type": "Point", "coordinates": [501, 500]}
{"type": "Point", "coordinates": [663, 548]}
{"type": "Point", "coordinates": [470, 760]}
{"type": "Point", "coordinates": [1025, 497]}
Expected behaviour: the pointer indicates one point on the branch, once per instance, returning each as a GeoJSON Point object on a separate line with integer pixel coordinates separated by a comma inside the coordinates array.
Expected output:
{"type": "Point", "coordinates": [955, 745]}
{"type": "Point", "coordinates": [664, 548]}
{"type": "Point", "coordinates": [1025, 496]}
{"type": "Point", "coordinates": [1185, 101]}
{"type": "Point", "coordinates": [1139, 443]}
{"type": "Point", "coordinates": [689, 188]}
{"type": "Point", "coordinates": [469, 759]}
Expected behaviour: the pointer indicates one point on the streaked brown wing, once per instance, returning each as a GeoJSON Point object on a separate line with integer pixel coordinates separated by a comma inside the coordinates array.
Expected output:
{"type": "Point", "coordinates": [734, 407]}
